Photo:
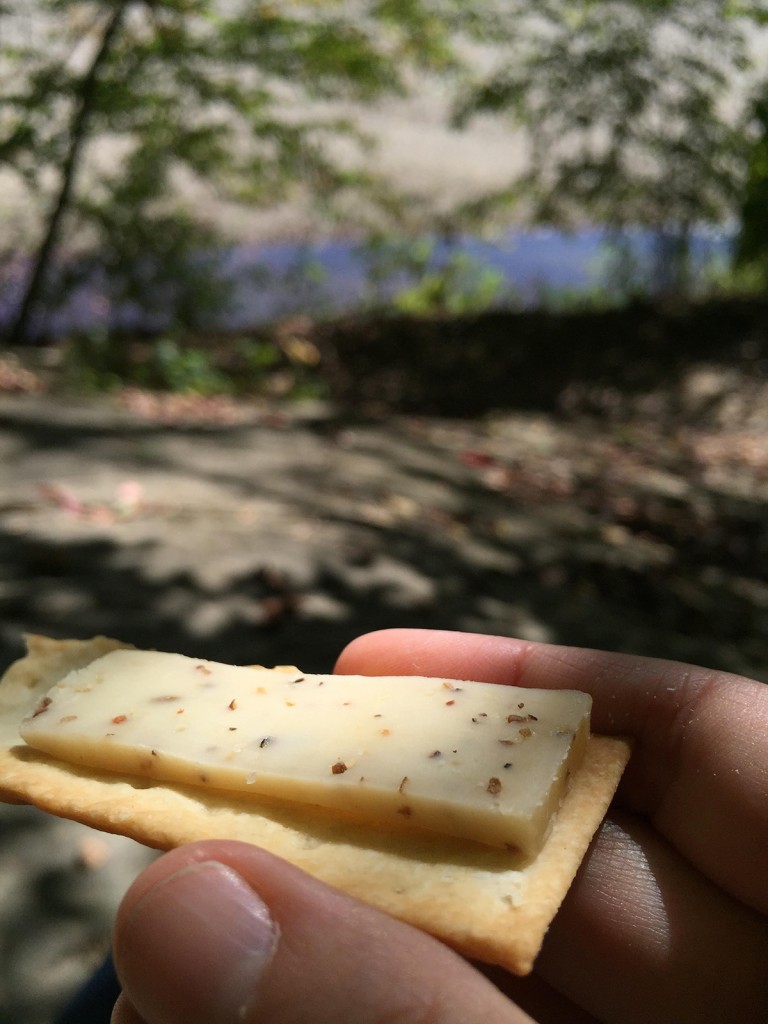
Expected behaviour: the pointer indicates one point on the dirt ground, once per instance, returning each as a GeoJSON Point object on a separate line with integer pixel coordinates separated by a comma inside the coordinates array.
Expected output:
{"type": "Point", "coordinates": [274, 533]}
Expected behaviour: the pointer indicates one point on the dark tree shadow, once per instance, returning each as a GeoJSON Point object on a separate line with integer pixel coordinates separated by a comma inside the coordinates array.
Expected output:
{"type": "Point", "coordinates": [493, 560]}
{"type": "Point", "coordinates": [465, 366]}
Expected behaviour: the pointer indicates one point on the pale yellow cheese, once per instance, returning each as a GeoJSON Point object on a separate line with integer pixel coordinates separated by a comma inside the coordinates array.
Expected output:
{"type": "Point", "coordinates": [474, 760]}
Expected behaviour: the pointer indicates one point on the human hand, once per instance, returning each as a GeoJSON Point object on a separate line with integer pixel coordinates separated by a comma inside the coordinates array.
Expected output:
{"type": "Point", "coordinates": [667, 920]}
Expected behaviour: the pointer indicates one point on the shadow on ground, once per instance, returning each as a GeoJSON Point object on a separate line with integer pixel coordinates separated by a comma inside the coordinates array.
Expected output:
{"type": "Point", "coordinates": [540, 360]}
{"type": "Point", "coordinates": [282, 540]}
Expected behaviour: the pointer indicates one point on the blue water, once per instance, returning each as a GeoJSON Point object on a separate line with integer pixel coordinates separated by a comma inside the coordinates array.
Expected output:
{"type": "Point", "coordinates": [270, 281]}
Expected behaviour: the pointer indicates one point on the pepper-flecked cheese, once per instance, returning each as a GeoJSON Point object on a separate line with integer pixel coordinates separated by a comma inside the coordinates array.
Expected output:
{"type": "Point", "coordinates": [474, 760]}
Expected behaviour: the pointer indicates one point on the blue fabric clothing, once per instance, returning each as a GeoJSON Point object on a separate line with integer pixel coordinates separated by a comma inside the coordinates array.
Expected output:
{"type": "Point", "coordinates": [95, 1001]}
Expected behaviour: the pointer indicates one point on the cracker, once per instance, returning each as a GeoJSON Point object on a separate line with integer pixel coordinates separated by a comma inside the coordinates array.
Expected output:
{"type": "Point", "coordinates": [488, 904]}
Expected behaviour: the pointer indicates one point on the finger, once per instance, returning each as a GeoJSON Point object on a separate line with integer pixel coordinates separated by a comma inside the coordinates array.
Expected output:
{"type": "Point", "coordinates": [124, 1012]}
{"type": "Point", "coordinates": [656, 941]}
{"type": "Point", "coordinates": [533, 995]}
{"type": "Point", "coordinates": [222, 932]}
{"type": "Point", "coordinates": [538, 998]}
{"type": "Point", "coordinates": [700, 766]}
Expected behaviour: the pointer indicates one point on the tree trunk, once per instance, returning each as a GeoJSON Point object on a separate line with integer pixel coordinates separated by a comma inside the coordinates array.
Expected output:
{"type": "Point", "coordinates": [78, 135]}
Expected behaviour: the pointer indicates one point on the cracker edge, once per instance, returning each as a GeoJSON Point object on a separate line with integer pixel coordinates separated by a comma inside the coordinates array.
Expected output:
{"type": "Point", "coordinates": [464, 895]}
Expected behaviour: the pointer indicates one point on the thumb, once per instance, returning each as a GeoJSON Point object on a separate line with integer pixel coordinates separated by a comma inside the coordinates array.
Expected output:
{"type": "Point", "coordinates": [225, 933]}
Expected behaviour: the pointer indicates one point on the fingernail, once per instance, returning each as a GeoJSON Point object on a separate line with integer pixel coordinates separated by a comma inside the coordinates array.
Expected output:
{"type": "Point", "coordinates": [195, 947]}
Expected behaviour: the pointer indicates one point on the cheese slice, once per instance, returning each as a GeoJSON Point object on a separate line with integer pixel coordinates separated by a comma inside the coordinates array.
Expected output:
{"type": "Point", "coordinates": [473, 760]}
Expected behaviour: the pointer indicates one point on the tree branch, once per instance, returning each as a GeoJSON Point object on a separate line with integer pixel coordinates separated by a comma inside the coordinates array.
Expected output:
{"type": "Point", "coordinates": [78, 135]}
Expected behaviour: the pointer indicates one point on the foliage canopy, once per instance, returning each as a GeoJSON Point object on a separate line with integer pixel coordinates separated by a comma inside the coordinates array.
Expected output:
{"type": "Point", "coordinates": [624, 105]}
{"type": "Point", "coordinates": [625, 108]}
{"type": "Point", "coordinates": [193, 90]}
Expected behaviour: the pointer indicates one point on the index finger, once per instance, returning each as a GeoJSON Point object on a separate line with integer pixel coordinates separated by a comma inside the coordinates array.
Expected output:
{"type": "Point", "coordinates": [700, 765]}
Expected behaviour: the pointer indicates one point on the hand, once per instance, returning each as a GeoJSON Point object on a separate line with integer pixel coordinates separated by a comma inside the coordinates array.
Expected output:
{"type": "Point", "coordinates": [666, 922]}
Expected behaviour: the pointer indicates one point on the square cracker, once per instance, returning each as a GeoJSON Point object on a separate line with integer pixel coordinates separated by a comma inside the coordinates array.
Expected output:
{"type": "Point", "coordinates": [486, 903]}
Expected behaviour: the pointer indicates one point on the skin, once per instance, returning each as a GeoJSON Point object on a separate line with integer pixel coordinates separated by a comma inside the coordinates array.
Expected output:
{"type": "Point", "coordinates": [666, 921]}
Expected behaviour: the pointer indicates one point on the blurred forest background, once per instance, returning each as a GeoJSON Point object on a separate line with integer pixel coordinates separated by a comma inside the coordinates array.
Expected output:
{"type": "Point", "coordinates": [540, 230]}
{"type": "Point", "coordinates": [319, 317]}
